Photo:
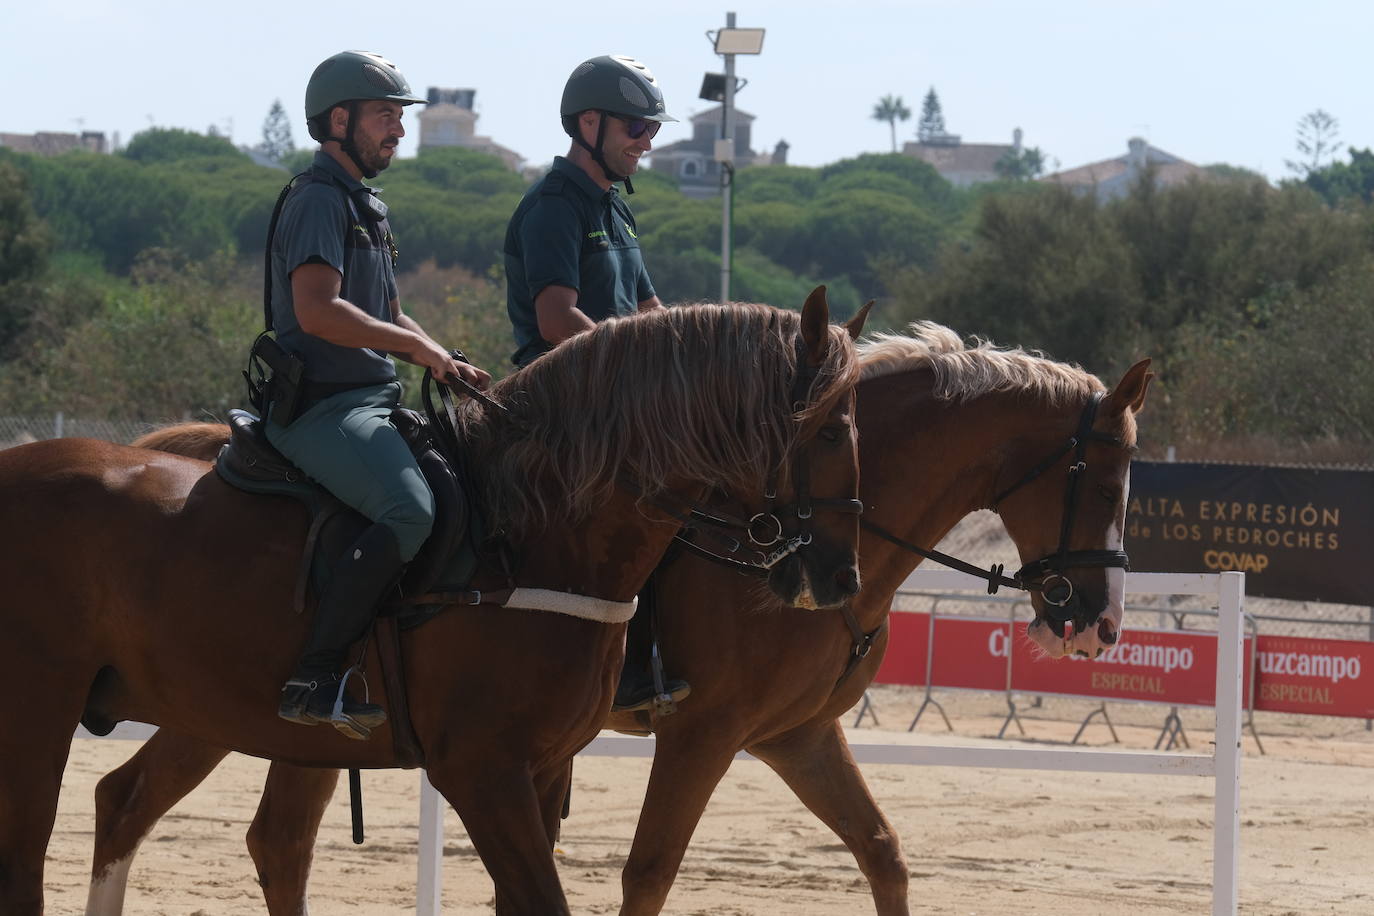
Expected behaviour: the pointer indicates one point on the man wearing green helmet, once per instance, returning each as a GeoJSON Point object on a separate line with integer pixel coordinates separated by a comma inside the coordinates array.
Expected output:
{"type": "Point", "coordinates": [333, 305]}
{"type": "Point", "coordinates": [572, 255]}
{"type": "Point", "coordinates": [572, 259]}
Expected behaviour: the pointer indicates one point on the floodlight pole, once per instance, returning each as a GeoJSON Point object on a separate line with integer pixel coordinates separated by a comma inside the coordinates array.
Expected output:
{"type": "Point", "coordinates": [727, 167]}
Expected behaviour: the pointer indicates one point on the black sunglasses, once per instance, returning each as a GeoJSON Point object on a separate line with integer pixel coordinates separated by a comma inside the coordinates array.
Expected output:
{"type": "Point", "coordinates": [638, 127]}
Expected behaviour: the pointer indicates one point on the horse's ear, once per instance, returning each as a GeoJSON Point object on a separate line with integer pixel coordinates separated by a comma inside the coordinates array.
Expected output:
{"type": "Point", "coordinates": [1129, 393]}
{"type": "Point", "coordinates": [815, 325]}
{"type": "Point", "coordinates": [855, 325]}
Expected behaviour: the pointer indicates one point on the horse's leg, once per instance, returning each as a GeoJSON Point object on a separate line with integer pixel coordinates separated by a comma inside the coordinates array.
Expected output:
{"type": "Point", "coordinates": [501, 809]}
{"type": "Point", "coordinates": [687, 767]}
{"type": "Point", "coordinates": [281, 838]}
{"type": "Point", "coordinates": [131, 799]}
{"type": "Point", "coordinates": [815, 762]}
{"type": "Point", "coordinates": [33, 754]}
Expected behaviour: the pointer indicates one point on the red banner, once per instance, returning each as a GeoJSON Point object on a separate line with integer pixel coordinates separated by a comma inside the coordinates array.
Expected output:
{"type": "Point", "coordinates": [1328, 677]}
{"type": "Point", "coordinates": [1159, 666]}
{"type": "Point", "coordinates": [1325, 677]}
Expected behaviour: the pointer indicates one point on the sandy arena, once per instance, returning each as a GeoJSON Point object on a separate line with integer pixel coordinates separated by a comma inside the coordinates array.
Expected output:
{"type": "Point", "coordinates": [977, 841]}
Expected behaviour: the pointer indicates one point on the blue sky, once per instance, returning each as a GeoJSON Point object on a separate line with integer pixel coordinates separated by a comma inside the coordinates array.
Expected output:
{"type": "Point", "coordinates": [1208, 80]}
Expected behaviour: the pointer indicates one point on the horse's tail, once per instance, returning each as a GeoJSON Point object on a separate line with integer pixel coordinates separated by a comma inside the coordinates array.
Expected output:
{"type": "Point", "coordinates": [193, 440]}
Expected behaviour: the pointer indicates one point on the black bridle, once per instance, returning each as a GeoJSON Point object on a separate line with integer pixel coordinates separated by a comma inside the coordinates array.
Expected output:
{"type": "Point", "coordinates": [1048, 574]}
{"type": "Point", "coordinates": [765, 530]}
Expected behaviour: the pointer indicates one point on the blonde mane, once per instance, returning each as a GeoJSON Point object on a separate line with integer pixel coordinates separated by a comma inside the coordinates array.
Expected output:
{"type": "Point", "coordinates": [963, 373]}
{"type": "Point", "coordinates": [696, 394]}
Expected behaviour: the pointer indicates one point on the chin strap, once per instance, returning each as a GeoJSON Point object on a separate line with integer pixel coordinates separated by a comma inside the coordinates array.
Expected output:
{"type": "Point", "coordinates": [346, 142]}
{"type": "Point", "coordinates": [598, 156]}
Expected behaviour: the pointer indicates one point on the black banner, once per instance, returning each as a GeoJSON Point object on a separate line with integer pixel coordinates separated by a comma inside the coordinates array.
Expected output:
{"type": "Point", "coordinates": [1298, 533]}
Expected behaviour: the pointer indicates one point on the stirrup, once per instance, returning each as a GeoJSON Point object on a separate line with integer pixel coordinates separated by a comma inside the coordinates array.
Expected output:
{"type": "Point", "coordinates": [363, 718]}
{"type": "Point", "coordinates": [662, 699]}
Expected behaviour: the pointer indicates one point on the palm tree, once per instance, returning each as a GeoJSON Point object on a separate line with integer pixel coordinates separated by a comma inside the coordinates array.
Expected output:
{"type": "Point", "coordinates": [891, 110]}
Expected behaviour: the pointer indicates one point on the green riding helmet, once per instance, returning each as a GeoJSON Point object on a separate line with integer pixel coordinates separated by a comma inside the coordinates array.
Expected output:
{"type": "Point", "coordinates": [354, 76]}
{"type": "Point", "coordinates": [618, 84]}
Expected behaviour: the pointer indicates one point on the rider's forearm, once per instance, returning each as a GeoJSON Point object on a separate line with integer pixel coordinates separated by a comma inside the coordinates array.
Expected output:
{"type": "Point", "coordinates": [344, 324]}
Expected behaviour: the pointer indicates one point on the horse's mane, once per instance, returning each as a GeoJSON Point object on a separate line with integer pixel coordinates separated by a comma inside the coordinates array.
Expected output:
{"type": "Point", "coordinates": [194, 440]}
{"type": "Point", "coordinates": [697, 394]}
{"type": "Point", "coordinates": [963, 373]}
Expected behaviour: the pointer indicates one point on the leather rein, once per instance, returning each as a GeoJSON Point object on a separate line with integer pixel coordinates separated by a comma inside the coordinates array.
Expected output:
{"type": "Point", "coordinates": [1046, 575]}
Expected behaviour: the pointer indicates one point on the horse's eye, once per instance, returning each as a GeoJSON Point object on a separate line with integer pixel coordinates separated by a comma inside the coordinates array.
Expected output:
{"type": "Point", "coordinates": [831, 434]}
{"type": "Point", "coordinates": [1108, 493]}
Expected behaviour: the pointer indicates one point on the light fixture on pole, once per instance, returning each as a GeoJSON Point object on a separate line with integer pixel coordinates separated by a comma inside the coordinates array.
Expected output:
{"type": "Point", "coordinates": [727, 42]}
{"type": "Point", "coordinates": [713, 87]}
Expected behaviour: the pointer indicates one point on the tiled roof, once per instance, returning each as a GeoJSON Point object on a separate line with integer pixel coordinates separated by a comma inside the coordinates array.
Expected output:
{"type": "Point", "coordinates": [1168, 169]}
{"type": "Point", "coordinates": [43, 143]}
{"type": "Point", "coordinates": [963, 157]}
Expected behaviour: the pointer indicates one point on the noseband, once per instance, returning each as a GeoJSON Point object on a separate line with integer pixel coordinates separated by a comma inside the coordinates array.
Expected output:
{"type": "Point", "coordinates": [1046, 575]}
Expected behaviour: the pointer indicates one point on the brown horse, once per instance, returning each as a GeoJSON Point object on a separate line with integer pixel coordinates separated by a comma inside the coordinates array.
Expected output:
{"type": "Point", "coordinates": [944, 430]}
{"type": "Point", "coordinates": [140, 586]}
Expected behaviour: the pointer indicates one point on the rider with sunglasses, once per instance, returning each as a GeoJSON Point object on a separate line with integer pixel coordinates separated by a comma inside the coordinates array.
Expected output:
{"type": "Point", "coordinates": [572, 254]}
{"type": "Point", "coordinates": [572, 259]}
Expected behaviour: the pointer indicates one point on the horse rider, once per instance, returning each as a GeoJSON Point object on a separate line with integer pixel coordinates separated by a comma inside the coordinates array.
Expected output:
{"type": "Point", "coordinates": [572, 253]}
{"type": "Point", "coordinates": [334, 307]}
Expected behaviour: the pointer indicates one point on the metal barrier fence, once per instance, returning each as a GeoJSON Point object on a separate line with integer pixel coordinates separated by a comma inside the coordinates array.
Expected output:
{"type": "Point", "coordinates": [1171, 731]}
{"type": "Point", "coordinates": [18, 430]}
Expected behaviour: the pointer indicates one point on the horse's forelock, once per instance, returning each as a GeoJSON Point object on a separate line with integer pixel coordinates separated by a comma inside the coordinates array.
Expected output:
{"type": "Point", "coordinates": [695, 394]}
{"type": "Point", "coordinates": [963, 373]}
{"type": "Point", "coordinates": [838, 373]}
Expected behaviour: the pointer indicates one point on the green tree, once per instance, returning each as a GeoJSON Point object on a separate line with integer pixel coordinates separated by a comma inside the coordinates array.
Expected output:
{"type": "Point", "coordinates": [165, 144]}
{"type": "Point", "coordinates": [25, 246]}
{"type": "Point", "coordinates": [790, 183]}
{"type": "Point", "coordinates": [24, 240]}
{"type": "Point", "coordinates": [1021, 165]}
{"type": "Point", "coordinates": [1317, 141]}
{"type": "Point", "coordinates": [932, 123]}
{"type": "Point", "coordinates": [1045, 270]}
{"type": "Point", "coordinates": [276, 134]}
{"type": "Point", "coordinates": [1226, 172]}
{"type": "Point", "coordinates": [1274, 383]}
{"type": "Point", "coordinates": [1345, 181]}
{"type": "Point", "coordinates": [299, 160]}
{"type": "Point", "coordinates": [167, 344]}
{"type": "Point", "coordinates": [891, 109]}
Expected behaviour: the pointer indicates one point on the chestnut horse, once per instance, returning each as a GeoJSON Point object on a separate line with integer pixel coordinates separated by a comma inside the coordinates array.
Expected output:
{"type": "Point", "coordinates": [140, 586]}
{"type": "Point", "coordinates": [944, 430]}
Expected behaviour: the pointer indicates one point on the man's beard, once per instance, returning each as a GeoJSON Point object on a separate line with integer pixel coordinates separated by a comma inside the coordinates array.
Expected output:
{"type": "Point", "coordinates": [374, 159]}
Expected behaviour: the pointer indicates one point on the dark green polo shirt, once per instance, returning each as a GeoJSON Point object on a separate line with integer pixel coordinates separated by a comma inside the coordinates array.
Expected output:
{"type": "Point", "coordinates": [568, 232]}
{"type": "Point", "coordinates": [321, 222]}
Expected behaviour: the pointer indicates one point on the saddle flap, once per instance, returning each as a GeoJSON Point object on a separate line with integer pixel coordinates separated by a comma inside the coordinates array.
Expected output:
{"type": "Point", "coordinates": [250, 462]}
{"type": "Point", "coordinates": [250, 457]}
{"type": "Point", "coordinates": [436, 559]}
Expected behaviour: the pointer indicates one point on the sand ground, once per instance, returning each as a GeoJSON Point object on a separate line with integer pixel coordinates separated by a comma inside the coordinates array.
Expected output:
{"type": "Point", "coordinates": [977, 841]}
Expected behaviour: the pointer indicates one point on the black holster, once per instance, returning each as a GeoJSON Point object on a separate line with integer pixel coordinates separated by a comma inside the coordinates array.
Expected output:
{"type": "Point", "coordinates": [275, 380]}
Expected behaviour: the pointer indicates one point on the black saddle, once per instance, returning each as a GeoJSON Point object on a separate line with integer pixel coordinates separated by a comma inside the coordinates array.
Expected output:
{"type": "Point", "coordinates": [251, 463]}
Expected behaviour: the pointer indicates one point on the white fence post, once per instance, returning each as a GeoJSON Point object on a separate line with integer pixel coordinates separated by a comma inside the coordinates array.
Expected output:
{"type": "Point", "coordinates": [429, 884]}
{"type": "Point", "coordinates": [1229, 702]}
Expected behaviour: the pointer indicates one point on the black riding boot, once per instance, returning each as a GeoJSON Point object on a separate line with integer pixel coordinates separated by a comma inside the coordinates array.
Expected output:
{"type": "Point", "coordinates": [316, 691]}
{"type": "Point", "coordinates": [638, 688]}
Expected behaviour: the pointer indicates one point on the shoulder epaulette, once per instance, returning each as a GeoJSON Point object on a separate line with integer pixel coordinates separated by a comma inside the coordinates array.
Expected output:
{"type": "Point", "coordinates": [553, 184]}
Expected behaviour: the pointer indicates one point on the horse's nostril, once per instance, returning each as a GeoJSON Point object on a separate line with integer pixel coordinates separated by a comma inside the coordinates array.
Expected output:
{"type": "Point", "coordinates": [1106, 633]}
{"type": "Point", "coordinates": [848, 580]}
